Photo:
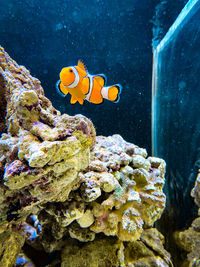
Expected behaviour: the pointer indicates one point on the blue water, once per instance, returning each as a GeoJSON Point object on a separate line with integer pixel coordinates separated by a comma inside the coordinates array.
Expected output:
{"type": "Point", "coordinates": [176, 121]}
{"type": "Point", "coordinates": [111, 37]}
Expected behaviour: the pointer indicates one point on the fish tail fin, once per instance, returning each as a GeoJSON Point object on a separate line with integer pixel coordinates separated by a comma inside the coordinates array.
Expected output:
{"type": "Point", "coordinates": [112, 93]}
{"type": "Point", "coordinates": [59, 88]}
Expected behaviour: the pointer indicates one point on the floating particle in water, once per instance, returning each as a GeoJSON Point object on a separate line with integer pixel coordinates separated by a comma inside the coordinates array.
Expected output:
{"type": "Point", "coordinates": [59, 26]}
{"type": "Point", "coordinates": [182, 85]}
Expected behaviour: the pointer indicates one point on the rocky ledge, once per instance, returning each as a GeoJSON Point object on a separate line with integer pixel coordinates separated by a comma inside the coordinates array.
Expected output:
{"type": "Point", "coordinates": [64, 189]}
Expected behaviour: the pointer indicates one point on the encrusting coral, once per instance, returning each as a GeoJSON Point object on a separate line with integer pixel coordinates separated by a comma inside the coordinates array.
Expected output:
{"type": "Point", "coordinates": [129, 193]}
{"type": "Point", "coordinates": [42, 151]}
{"type": "Point", "coordinates": [148, 251]}
{"type": "Point", "coordinates": [189, 239]}
{"type": "Point", "coordinates": [119, 194]}
{"type": "Point", "coordinates": [60, 182]}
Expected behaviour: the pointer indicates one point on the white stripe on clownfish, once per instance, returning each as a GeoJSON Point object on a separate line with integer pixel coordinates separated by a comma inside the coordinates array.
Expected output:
{"type": "Point", "coordinates": [104, 92]}
{"type": "Point", "coordinates": [76, 80]}
{"type": "Point", "coordinates": [90, 86]}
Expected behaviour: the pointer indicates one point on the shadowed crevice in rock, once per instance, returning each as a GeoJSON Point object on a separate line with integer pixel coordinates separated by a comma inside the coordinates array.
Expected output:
{"type": "Point", "coordinates": [3, 103]}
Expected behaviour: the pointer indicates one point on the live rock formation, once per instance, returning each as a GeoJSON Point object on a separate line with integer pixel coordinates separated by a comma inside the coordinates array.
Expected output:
{"type": "Point", "coordinates": [63, 189]}
{"type": "Point", "coordinates": [189, 240]}
{"type": "Point", "coordinates": [147, 251]}
{"type": "Point", "coordinates": [42, 151]}
{"type": "Point", "coordinates": [119, 194]}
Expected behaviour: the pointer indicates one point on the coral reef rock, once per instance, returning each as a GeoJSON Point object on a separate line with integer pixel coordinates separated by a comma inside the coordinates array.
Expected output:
{"type": "Point", "coordinates": [189, 240]}
{"type": "Point", "coordinates": [119, 194]}
{"type": "Point", "coordinates": [128, 196]}
{"type": "Point", "coordinates": [64, 189]}
{"type": "Point", "coordinates": [148, 251]}
{"type": "Point", "coordinates": [10, 246]}
{"type": "Point", "coordinates": [41, 151]}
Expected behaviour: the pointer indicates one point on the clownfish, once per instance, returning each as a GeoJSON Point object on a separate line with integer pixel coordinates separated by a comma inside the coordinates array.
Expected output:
{"type": "Point", "coordinates": [83, 86]}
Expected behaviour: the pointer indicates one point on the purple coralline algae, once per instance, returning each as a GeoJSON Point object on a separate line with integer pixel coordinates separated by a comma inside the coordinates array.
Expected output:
{"type": "Point", "coordinates": [64, 189]}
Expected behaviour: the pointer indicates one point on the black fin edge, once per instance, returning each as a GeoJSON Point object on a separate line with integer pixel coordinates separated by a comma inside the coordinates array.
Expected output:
{"type": "Point", "coordinates": [103, 76]}
{"type": "Point", "coordinates": [118, 95]}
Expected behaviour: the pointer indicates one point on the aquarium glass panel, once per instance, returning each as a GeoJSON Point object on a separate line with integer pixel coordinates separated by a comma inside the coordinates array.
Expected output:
{"type": "Point", "coordinates": [175, 106]}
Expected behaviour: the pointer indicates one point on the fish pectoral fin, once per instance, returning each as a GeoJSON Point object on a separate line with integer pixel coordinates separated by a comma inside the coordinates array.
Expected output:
{"type": "Point", "coordinates": [80, 101]}
{"type": "Point", "coordinates": [82, 66]}
{"type": "Point", "coordinates": [61, 89]}
{"type": "Point", "coordinates": [73, 100]}
{"type": "Point", "coordinates": [101, 78]}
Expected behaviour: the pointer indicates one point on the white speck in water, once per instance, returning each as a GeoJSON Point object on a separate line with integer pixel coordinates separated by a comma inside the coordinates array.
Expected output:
{"type": "Point", "coordinates": [74, 13]}
{"type": "Point", "coordinates": [59, 26]}
{"type": "Point", "coordinates": [182, 85]}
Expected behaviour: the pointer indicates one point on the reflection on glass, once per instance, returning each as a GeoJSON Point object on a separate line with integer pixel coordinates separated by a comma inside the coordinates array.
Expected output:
{"type": "Point", "coordinates": [176, 112]}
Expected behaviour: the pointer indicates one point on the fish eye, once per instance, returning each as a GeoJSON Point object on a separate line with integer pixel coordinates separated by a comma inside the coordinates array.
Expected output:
{"type": "Point", "coordinates": [71, 70]}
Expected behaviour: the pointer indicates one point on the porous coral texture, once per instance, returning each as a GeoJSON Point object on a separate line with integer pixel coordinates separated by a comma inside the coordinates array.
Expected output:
{"type": "Point", "coordinates": [189, 239]}
{"type": "Point", "coordinates": [61, 186]}
{"type": "Point", "coordinates": [127, 197]}
{"type": "Point", "coordinates": [42, 151]}
{"type": "Point", "coordinates": [10, 246]}
{"type": "Point", "coordinates": [119, 194]}
{"type": "Point", "coordinates": [101, 252]}
{"type": "Point", "coordinates": [148, 252]}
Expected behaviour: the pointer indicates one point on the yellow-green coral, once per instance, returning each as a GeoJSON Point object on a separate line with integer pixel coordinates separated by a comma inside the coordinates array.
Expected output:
{"type": "Point", "coordinates": [189, 239]}
{"type": "Point", "coordinates": [43, 151]}
{"type": "Point", "coordinates": [136, 198]}
{"type": "Point", "coordinates": [52, 166]}
{"type": "Point", "coordinates": [121, 198]}
{"type": "Point", "coordinates": [10, 246]}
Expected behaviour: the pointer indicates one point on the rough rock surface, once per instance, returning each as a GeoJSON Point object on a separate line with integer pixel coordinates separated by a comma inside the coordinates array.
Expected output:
{"type": "Point", "coordinates": [189, 240]}
{"type": "Point", "coordinates": [119, 194]}
{"type": "Point", "coordinates": [62, 185]}
{"type": "Point", "coordinates": [10, 246]}
{"type": "Point", "coordinates": [148, 251]}
{"type": "Point", "coordinates": [42, 151]}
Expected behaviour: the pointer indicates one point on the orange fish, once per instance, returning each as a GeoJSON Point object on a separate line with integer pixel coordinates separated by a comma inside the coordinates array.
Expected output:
{"type": "Point", "coordinates": [83, 86]}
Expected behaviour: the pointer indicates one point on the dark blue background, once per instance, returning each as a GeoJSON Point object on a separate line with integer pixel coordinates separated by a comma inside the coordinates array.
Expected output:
{"type": "Point", "coordinates": [111, 37]}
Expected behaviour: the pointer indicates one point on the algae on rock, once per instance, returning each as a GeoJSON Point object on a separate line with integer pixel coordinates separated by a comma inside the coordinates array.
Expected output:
{"type": "Point", "coordinates": [148, 251]}
{"type": "Point", "coordinates": [73, 190]}
{"type": "Point", "coordinates": [41, 151]}
{"type": "Point", "coordinates": [189, 239]}
{"type": "Point", "coordinates": [10, 246]}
